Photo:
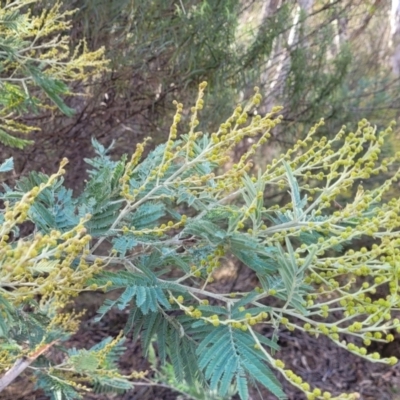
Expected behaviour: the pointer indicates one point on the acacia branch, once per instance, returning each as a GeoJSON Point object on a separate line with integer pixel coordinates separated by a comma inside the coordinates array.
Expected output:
{"type": "Point", "coordinates": [21, 364]}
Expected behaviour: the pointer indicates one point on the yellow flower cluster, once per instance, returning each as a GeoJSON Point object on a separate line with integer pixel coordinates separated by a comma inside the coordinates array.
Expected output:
{"type": "Point", "coordinates": [315, 394]}
{"type": "Point", "coordinates": [40, 41]}
{"type": "Point", "coordinates": [40, 267]}
{"type": "Point", "coordinates": [324, 169]}
{"type": "Point", "coordinates": [356, 287]}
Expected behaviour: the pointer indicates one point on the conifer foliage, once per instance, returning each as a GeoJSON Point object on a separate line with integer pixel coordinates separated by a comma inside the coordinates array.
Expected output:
{"type": "Point", "coordinates": [37, 63]}
{"type": "Point", "coordinates": [170, 222]}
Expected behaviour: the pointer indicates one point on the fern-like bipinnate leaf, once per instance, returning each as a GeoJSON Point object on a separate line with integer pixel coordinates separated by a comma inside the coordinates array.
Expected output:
{"type": "Point", "coordinates": [56, 387]}
{"type": "Point", "coordinates": [146, 293]}
{"type": "Point", "coordinates": [227, 356]}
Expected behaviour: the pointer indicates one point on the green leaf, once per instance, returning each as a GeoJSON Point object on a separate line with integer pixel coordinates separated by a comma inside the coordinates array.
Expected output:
{"type": "Point", "coordinates": [105, 308]}
{"type": "Point", "coordinates": [105, 384]}
{"type": "Point", "coordinates": [241, 384]}
{"type": "Point", "coordinates": [248, 298]}
{"type": "Point", "coordinates": [7, 316]}
{"type": "Point", "coordinates": [85, 361]}
{"type": "Point", "coordinates": [7, 165]}
{"type": "Point", "coordinates": [53, 88]}
{"type": "Point", "coordinates": [148, 215]}
{"type": "Point", "coordinates": [151, 325]}
{"type": "Point", "coordinates": [55, 387]}
{"type": "Point", "coordinates": [12, 141]}
{"type": "Point", "coordinates": [225, 354]}
{"type": "Point", "coordinates": [205, 229]}
{"type": "Point", "coordinates": [253, 261]}
{"type": "Point", "coordinates": [298, 203]}
{"type": "Point", "coordinates": [124, 243]}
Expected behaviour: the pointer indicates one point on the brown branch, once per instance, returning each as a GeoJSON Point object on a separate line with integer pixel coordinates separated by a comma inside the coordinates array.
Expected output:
{"type": "Point", "coordinates": [21, 364]}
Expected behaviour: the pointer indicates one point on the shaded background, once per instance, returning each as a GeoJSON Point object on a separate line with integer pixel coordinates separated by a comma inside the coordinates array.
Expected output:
{"type": "Point", "coordinates": [333, 59]}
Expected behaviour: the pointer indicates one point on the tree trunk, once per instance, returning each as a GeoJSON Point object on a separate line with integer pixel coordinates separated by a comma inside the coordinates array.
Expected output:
{"type": "Point", "coordinates": [395, 36]}
{"type": "Point", "coordinates": [282, 60]}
